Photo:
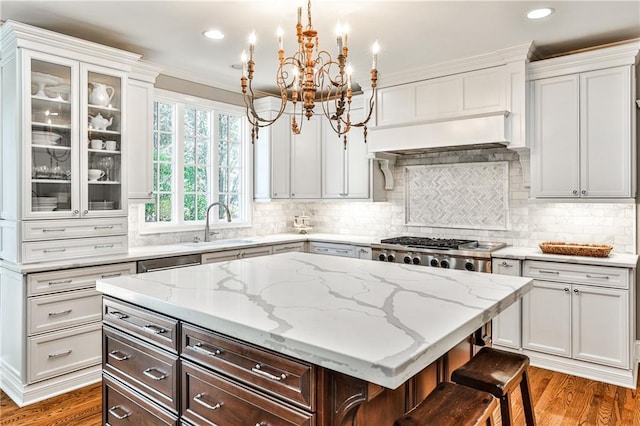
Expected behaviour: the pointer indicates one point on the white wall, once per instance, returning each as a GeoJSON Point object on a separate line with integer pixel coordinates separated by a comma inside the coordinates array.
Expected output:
{"type": "Point", "coordinates": [530, 221]}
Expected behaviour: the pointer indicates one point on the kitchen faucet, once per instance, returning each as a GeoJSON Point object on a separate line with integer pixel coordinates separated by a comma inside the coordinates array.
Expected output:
{"type": "Point", "coordinates": [206, 226]}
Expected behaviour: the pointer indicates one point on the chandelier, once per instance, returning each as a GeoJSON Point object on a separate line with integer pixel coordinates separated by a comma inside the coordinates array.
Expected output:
{"type": "Point", "coordinates": [303, 79]}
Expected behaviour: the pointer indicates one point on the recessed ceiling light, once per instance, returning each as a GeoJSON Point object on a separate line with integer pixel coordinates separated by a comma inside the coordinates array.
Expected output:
{"type": "Point", "coordinates": [213, 34]}
{"type": "Point", "coordinates": [539, 13]}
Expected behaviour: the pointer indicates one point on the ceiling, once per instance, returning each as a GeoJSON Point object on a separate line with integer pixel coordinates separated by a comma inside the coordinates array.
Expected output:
{"type": "Point", "coordinates": [412, 34]}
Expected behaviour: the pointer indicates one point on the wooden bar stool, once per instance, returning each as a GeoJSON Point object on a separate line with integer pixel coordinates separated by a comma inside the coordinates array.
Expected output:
{"type": "Point", "coordinates": [450, 404]}
{"type": "Point", "coordinates": [499, 373]}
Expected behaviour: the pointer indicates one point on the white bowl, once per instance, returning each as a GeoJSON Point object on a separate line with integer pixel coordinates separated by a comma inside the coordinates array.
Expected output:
{"type": "Point", "coordinates": [39, 137]}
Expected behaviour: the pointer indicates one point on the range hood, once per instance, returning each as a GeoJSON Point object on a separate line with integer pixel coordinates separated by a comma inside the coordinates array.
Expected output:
{"type": "Point", "coordinates": [479, 131]}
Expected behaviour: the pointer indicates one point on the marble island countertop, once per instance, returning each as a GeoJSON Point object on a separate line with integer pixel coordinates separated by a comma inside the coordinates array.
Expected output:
{"type": "Point", "coordinates": [376, 321]}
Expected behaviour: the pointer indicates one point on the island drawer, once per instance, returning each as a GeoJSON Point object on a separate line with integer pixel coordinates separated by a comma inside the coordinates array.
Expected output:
{"type": "Point", "coordinates": [60, 352]}
{"type": "Point", "coordinates": [276, 374]}
{"type": "Point", "coordinates": [147, 325]}
{"type": "Point", "coordinates": [57, 311]}
{"type": "Point", "coordinates": [600, 276]}
{"type": "Point", "coordinates": [73, 279]}
{"type": "Point", "coordinates": [152, 371]}
{"type": "Point", "coordinates": [211, 399]}
{"type": "Point", "coordinates": [122, 406]}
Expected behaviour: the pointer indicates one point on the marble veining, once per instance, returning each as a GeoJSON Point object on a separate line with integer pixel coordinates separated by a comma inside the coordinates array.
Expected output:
{"type": "Point", "coordinates": [376, 321]}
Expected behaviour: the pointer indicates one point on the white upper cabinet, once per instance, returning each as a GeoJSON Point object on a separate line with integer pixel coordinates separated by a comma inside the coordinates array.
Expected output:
{"type": "Point", "coordinates": [583, 125]}
{"type": "Point", "coordinates": [345, 170]}
{"type": "Point", "coordinates": [306, 171]}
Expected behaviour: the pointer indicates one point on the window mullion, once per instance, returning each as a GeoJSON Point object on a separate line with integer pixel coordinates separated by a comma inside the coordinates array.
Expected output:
{"type": "Point", "coordinates": [178, 205]}
{"type": "Point", "coordinates": [214, 158]}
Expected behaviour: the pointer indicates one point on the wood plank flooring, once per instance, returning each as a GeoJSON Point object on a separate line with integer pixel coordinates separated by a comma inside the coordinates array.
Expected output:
{"type": "Point", "coordinates": [559, 399]}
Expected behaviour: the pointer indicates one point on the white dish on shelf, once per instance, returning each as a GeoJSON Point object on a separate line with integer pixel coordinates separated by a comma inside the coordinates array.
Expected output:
{"type": "Point", "coordinates": [43, 80]}
{"type": "Point", "coordinates": [101, 205]}
{"type": "Point", "coordinates": [41, 137]}
{"type": "Point", "coordinates": [58, 91]}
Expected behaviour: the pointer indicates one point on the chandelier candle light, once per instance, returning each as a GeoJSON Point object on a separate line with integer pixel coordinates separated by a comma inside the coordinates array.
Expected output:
{"type": "Point", "coordinates": [303, 79]}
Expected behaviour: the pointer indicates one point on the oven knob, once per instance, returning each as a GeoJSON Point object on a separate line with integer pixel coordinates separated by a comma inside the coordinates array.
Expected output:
{"type": "Point", "coordinates": [434, 263]}
{"type": "Point", "coordinates": [407, 258]}
{"type": "Point", "coordinates": [382, 257]}
{"type": "Point", "coordinates": [391, 257]}
{"type": "Point", "coordinates": [469, 266]}
{"type": "Point", "coordinates": [416, 260]}
{"type": "Point", "coordinates": [444, 264]}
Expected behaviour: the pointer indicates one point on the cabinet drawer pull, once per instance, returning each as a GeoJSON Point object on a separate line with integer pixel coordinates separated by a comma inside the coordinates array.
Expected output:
{"type": "Point", "coordinates": [60, 354]}
{"type": "Point", "coordinates": [114, 355]}
{"type": "Point", "coordinates": [257, 369]}
{"type": "Point", "coordinates": [155, 329]}
{"type": "Point", "coordinates": [54, 229]}
{"type": "Point", "coordinates": [60, 282]}
{"type": "Point", "coordinates": [118, 315]}
{"type": "Point", "coordinates": [200, 348]}
{"type": "Point", "coordinates": [113, 409]}
{"type": "Point", "coordinates": [116, 274]}
{"type": "Point", "coordinates": [343, 251]}
{"type": "Point", "coordinates": [99, 246]}
{"type": "Point", "coordinates": [542, 271]}
{"type": "Point", "coordinates": [148, 373]}
{"type": "Point", "coordinates": [506, 265]}
{"type": "Point", "coordinates": [598, 277]}
{"type": "Point", "coordinates": [60, 250]}
{"type": "Point", "coordinates": [56, 314]}
{"type": "Point", "coordinates": [198, 399]}
{"type": "Point", "coordinates": [321, 249]}
{"type": "Point", "coordinates": [103, 227]}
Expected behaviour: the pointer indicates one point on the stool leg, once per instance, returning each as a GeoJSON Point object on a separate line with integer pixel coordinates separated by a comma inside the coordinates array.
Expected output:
{"type": "Point", "coordinates": [526, 400]}
{"type": "Point", "coordinates": [505, 410]}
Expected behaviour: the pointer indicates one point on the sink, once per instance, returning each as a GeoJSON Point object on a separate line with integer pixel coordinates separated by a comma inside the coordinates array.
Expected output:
{"type": "Point", "coordinates": [217, 243]}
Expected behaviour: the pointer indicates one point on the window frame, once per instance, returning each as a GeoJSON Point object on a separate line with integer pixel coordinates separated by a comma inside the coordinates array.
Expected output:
{"type": "Point", "coordinates": [181, 103]}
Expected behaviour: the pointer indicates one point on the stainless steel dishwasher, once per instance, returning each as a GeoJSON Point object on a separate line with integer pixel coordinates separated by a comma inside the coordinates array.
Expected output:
{"type": "Point", "coordinates": [168, 263]}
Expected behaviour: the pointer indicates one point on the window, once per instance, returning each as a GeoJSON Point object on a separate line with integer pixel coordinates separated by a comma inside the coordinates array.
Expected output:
{"type": "Point", "coordinates": [200, 156]}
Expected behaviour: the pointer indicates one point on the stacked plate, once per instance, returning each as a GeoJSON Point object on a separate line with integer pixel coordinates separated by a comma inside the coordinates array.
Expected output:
{"type": "Point", "coordinates": [39, 137]}
{"type": "Point", "coordinates": [101, 205]}
{"type": "Point", "coordinates": [44, 204]}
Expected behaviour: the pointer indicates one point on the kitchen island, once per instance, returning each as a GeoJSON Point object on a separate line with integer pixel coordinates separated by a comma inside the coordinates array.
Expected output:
{"type": "Point", "coordinates": [358, 334]}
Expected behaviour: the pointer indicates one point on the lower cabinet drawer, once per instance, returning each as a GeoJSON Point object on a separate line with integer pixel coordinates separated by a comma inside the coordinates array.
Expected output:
{"type": "Point", "coordinates": [276, 374]}
{"type": "Point", "coordinates": [47, 313]}
{"type": "Point", "coordinates": [73, 279]}
{"type": "Point", "coordinates": [210, 399]}
{"type": "Point", "coordinates": [123, 406]}
{"type": "Point", "coordinates": [37, 230]}
{"type": "Point", "coordinates": [142, 366]}
{"type": "Point", "coordinates": [39, 251]}
{"type": "Point", "coordinates": [53, 354]}
{"type": "Point", "coordinates": [155, 328]}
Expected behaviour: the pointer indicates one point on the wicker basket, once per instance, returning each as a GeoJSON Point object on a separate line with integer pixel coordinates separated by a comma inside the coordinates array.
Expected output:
{"type": "Point", "coordinates": [576, 249]}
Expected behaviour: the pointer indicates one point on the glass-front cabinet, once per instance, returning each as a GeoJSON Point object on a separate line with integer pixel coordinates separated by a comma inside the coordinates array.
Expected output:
{"type": "Point", "coordinates": [73, 150]}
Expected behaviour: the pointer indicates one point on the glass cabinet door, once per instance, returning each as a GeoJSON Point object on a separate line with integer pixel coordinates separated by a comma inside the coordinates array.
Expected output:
{"type": "Point", "coordinates": [50, 154]}
{"type": "Point", "coordinates": [101, 153]}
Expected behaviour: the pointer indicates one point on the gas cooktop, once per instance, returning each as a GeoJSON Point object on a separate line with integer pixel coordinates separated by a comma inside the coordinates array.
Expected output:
{"type": "Point", "coordinates": [436, 243]}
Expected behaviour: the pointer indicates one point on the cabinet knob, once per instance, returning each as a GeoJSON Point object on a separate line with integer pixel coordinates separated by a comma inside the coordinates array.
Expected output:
{"type": "Point", "coordinates": [576, 291]}
{"type": "Point", "coordinates": [76, 212]}
{"type": "Point", "coordinates": [85, 212]}
{"type": "Point", "coordinates": [275, 194]}
{"type": "Point", "coordinates": [584, 192]}
{"type": "Point", "coordinates": [566, 290]}
{"type": "Point", "coordinates": [150, 192]}
{"type": "Point", "coordinates": [506, 265]}
{"type": "Point", "coordinates": [575, 192]}
{"type": "Point", "coordinates": [293, 195]}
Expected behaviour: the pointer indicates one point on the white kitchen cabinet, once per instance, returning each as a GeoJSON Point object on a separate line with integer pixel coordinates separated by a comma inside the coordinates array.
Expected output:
{"type": "Point", "coordinates": [288, 248]}
{"type": "Point", "coordinates": [140, 92]}
{"type": "Point", "coordinates": [345, 170]}
{"type": "Point", "coordinates": [546, 318]}
{"type": "Point", "coordinates": [583, 131]}
{"type": "Point", "coordinates": [288, 165]}
{"type": "Point", "coordinates": [53, 344]}
{"type": "Point", "coordinates": [332, 249]}
{"type": "Point", "coordinates": [364, 253]}
{"type": "Point", "coordinates": [65, 93]}
{"type": "Point", "coordinates": [578, 311]}
{"type": "Point", "coordinates": [306, 163]}
{"type": "Point", "coordinates": [505, 327]}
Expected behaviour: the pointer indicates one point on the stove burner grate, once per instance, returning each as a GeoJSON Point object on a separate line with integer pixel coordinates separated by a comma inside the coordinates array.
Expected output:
{"type": "Point", "coordinates": [426, 242]}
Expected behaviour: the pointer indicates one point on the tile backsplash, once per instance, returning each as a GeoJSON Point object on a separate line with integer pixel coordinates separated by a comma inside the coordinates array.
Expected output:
{"type": "Point", "coordinates": [530, 221]}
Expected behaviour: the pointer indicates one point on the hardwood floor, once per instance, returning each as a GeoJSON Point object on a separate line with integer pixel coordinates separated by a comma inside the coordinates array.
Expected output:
{"type": "Point", "coordinates": [559, 399]}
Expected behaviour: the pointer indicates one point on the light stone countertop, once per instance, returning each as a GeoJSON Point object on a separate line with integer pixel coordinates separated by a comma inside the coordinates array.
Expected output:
{"type": "Point", "coordinates": [376, 321]}
{"type": "Point", "coordinates": [178, 249]}
{"type": "Point", "coordinates": [623, 260]}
